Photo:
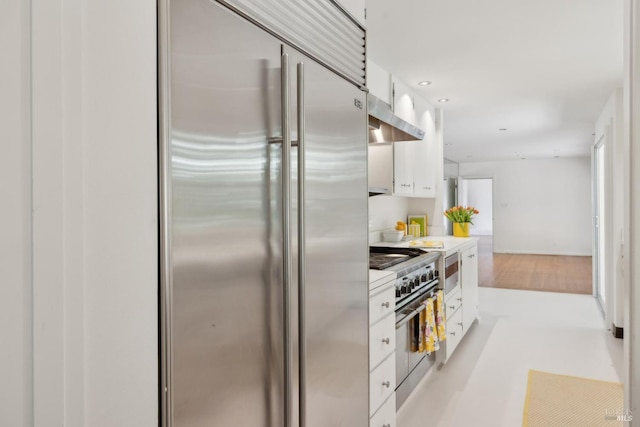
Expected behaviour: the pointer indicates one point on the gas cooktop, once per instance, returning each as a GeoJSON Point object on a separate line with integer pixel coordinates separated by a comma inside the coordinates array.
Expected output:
{"type": "Point", "coordinates": [381, 258]}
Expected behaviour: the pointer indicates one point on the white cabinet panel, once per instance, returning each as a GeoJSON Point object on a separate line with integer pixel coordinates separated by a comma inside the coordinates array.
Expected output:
{"type": "Point", "coordinates": [454, 334]}
{"type": "Point", "coordinates": [426, 157]}
{"type": "Point", "coordinates": [381, 166]}
{"type": "Point", "coordinates": [386, 415]}
{"type": "Point", "coordinates": [403, 101]}
{"type": "Point", "coordinates": [382, 340]}
{"type": "Point", "coordinates": [416, 163]}
{"type": "Point", "coordinates": [453, 301]}
{"type": "Point", "coordinates": [379, 82]}
{"type": "Point", "coordinates": [382, 383]}
{"type": "Point", "coordinates": [403, 168]}
{"type": "Point", "coordinates": [382, 303]}
{"type": "Point", "coordinates": [469, 284]}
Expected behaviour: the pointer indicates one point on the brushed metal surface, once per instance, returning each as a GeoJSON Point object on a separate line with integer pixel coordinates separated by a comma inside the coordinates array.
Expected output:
{"type": "Point", "coordinates": [336, 248]}
{"type": "Point", "coordinates": [322, 30]}
{"type": "Point", "coordinates": [227, 329]}
{"type": "Point", "coordinates": [225, 234]}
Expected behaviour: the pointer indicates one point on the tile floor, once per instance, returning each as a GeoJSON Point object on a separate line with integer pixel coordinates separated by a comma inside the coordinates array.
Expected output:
{"type": "Point", "coordinates": [484, 382]}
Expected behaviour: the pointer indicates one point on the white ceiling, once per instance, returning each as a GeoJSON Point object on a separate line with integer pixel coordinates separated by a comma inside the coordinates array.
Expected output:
{"type": "Point", "coordinates": [542, 69]}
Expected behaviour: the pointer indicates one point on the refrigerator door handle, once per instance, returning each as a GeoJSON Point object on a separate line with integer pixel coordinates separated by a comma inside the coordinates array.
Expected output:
{"type": "Point", "coordinates": [302, 342]}
{"type": "Point", "coordinates": [286, 249]}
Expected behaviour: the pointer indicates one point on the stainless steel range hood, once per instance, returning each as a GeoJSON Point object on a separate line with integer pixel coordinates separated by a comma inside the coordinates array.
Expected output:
{"type": "Point", "coordinates": [384, 126]}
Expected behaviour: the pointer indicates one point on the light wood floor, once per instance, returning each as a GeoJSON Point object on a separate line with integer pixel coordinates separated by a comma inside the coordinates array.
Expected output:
{"type": "Point", "coordinates": [551, 273]}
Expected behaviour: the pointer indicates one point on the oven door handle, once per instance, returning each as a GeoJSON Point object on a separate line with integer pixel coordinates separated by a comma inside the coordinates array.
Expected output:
{"type": "Point", "coordinates": [410, 316]}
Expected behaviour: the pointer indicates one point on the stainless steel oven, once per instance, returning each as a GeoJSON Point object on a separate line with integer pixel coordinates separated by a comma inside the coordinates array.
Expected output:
{"type": "Point", "coordinates": [411, 366]}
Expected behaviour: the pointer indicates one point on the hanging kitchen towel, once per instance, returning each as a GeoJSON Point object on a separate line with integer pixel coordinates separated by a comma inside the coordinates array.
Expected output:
{"type": "Point", "coordinates": [431, 342]}
{"type": "Point", "coordinates": [422, 317]}
{"type": "Point", "coordinates": [441, 321]}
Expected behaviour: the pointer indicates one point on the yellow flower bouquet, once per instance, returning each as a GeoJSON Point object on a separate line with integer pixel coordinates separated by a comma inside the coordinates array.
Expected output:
{"type": "Point", "coordinates": [461, 214]}
{"type": "Point", "coordinates": [461, 218]}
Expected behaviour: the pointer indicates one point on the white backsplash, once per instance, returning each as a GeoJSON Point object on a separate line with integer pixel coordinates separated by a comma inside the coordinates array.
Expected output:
{"type": "Point", "coordinates": [386, 211]}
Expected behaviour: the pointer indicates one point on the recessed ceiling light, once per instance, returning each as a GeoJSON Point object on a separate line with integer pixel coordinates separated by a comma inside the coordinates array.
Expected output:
{"type": "Point", "coordinates": [424, 83]}
{"type": "Point", "coordinates": [556, 157]}
{"type": "Point", "coordinates": [448, 144]}
{"type": "Point", "coordinates": [502, 129]}
{"type": "Point", "coordinates": [443, 100]}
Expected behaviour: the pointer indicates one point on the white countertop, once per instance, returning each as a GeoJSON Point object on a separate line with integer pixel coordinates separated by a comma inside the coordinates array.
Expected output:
{"type": "Point", "coordinates": [451, 244]}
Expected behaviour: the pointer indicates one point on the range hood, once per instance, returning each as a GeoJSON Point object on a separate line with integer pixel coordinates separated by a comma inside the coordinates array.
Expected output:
{"type": "Point", "coordinates": [384, 126]}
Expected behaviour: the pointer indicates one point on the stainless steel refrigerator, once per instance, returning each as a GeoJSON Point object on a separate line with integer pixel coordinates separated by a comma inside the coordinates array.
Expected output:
{"type": "Point", "coordinates": [264, 318]}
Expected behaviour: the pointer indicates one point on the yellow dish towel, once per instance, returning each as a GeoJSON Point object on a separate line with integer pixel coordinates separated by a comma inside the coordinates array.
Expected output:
{"type": "Point", "coordinates": [441, 321]}
{"type": "Point", "coordinates": [431, 342]}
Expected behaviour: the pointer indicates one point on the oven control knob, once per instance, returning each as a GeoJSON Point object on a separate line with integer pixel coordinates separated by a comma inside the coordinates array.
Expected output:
{"type": "Point", "coordinates": [423, 278]}
{"type": "Point", "coordinates": [398, 293]}
{"type": "Point", "coordinates": [431, 275]}
{"type": "Point", "coordinates": [436, 274]}
{"type": "Point", "coordinates": [404, 288]}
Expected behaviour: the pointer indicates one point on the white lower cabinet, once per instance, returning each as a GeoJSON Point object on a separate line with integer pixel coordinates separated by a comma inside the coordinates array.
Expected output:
{"type": "Point", "coordinates": [461, 303]}
{"type": "Point", "coordinates": [382, 356]}
{"type": "Point", "coordinates": [382, 340]}
{"type": "Point", "coordinates": [386, 415]}
{"type": "Point", "coordinates": [382, 383]}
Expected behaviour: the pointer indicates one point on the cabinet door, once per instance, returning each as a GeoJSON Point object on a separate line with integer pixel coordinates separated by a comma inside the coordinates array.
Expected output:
{"type": "Point", "coordinates": [379, 82]}
{"type": "Point", "coordinates": [426, 158]}
{"type": "Point", "coordinates": [403, 168]}
{"type": "Point", "coordinates": [469, 281]}
{"type": "Point", "coordinates": [403, 101]}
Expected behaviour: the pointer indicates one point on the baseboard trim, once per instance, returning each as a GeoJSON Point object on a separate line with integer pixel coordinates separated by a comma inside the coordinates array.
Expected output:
{"type": "Point", "coordinates": [617, 332]}
{"type": "Point", "coordinates": [497, 251]}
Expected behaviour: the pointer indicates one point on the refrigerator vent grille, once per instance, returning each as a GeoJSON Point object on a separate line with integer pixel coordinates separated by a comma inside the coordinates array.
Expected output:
{"type": "Point", "coordinates": [319, 28]}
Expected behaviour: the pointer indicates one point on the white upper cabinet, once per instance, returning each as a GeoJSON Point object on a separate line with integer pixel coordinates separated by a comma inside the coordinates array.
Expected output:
{"type": "Point", "coordinates": [416, 162]}
{"type": "Point", "coordinates": [426, 155]}
{"type": "Point", "coordinates": [403, 101]}
{"type": "Point", "coordinates": [355, 8]}
{"type": "Point", "coordinates": [379, 82]}
{"type": "Point", "coordinates": [403, 168]}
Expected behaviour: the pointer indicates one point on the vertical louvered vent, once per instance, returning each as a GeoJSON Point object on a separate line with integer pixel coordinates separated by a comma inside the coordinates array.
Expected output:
{"type": "Point", "coordinates": [319, 28]}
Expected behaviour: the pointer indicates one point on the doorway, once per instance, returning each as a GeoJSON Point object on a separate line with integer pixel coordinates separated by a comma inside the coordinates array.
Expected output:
{"type": "Point", "coordinates": [478, 192]}
{"type": "Point", "coordinates": [599, 221]}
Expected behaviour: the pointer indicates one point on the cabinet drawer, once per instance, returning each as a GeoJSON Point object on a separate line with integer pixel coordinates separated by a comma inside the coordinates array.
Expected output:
{"type": "Point", "coordinates": [386, 415]}
{"type": "Point", "coordinates": [382, 383]}
{"type": "Point", "coordinates": [454, 333]}
{"type": "Point", "coordinates": [453, 301]}
{"type": "Point", "coordinates": [382, 303]}
{"type": "Point", "coordinates": [382, 340]}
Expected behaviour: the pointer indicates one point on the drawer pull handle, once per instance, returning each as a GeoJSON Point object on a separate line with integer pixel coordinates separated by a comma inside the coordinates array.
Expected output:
{"type": "Point", "coordinates": [386, 340]}
{"type": "Point", "coordinates": [460, 323]}
{"type": "Point", "coordinates": [452, 307]}
{"type": "Point", "coordinates": [385, 304]}
{"type": "Point", "coordinates": [387, 384]}
{"type": "Point", "coordinates": [459, 299]}
{"type": "Point", "coordinates": [452, 333]}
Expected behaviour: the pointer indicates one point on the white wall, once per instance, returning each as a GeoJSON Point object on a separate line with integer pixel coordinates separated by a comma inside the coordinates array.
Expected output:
{"type": "Point", "coordinates": [540, 206]}
{"type": "Point", "coordinates": [610, 125]}
{"type": "Point", "coordinates": [384, 212]}
{"type": "Point", "coordinates": [79, 227]}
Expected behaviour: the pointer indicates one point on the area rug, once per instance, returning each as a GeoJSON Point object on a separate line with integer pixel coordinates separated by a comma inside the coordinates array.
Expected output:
{"type": "Point", "coordinates": [563, 401]}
